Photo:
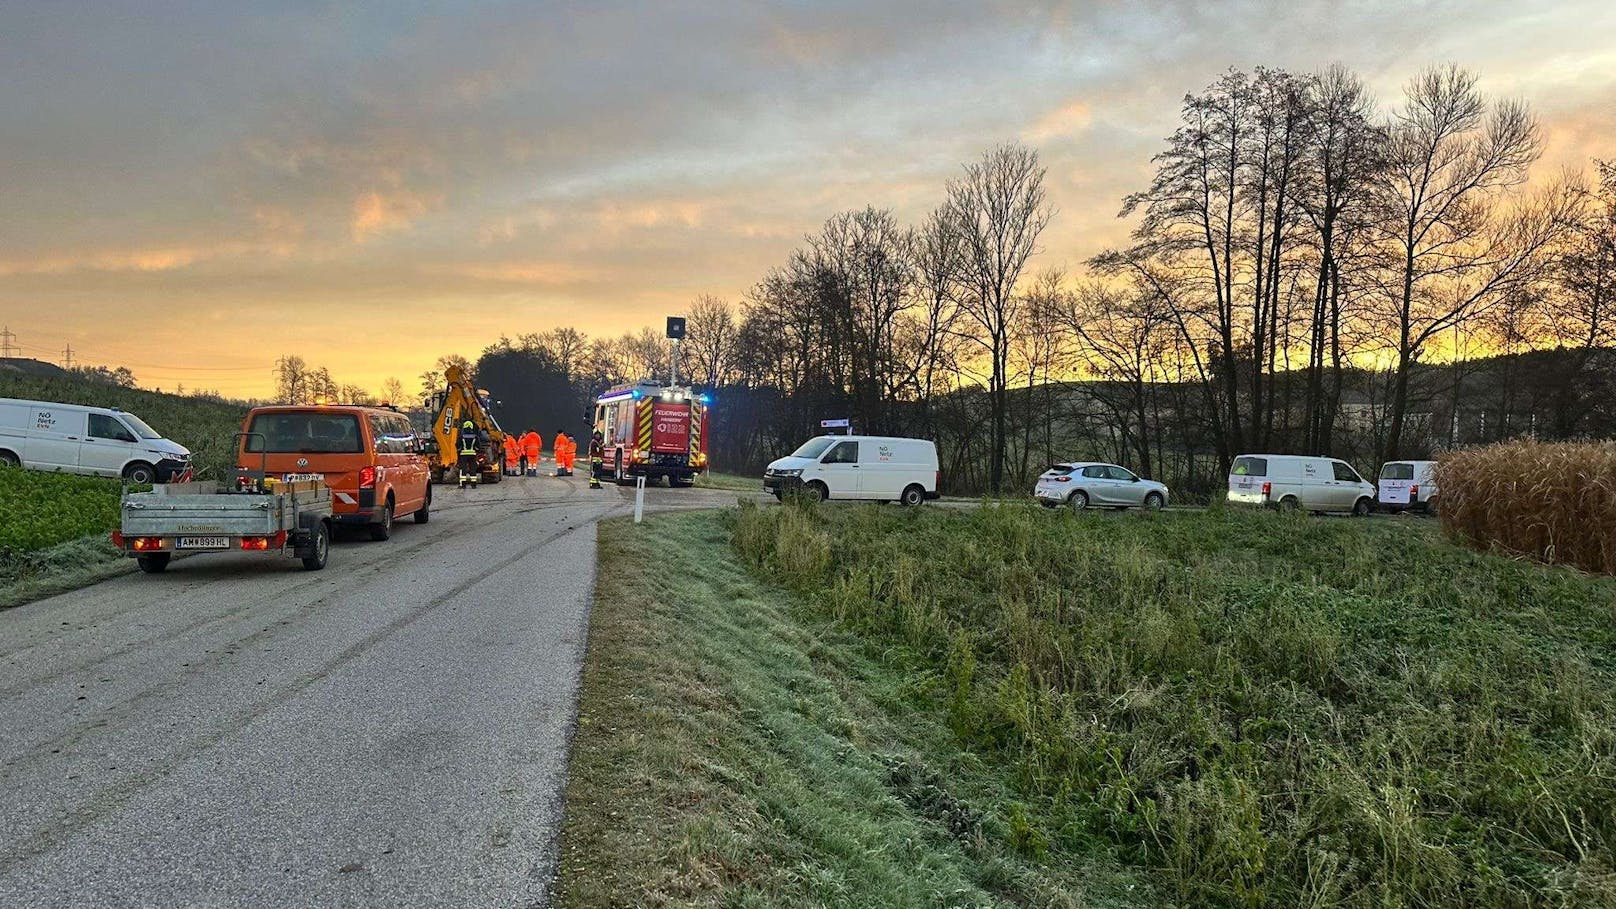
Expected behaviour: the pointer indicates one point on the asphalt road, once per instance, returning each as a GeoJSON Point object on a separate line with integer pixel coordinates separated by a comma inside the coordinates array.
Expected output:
{"type": "Point", "coordinates": [391, 731]}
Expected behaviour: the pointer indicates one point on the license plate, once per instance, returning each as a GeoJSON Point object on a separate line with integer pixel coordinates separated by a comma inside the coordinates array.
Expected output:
{"type": "Point", "coordinates": [202, 543]}
{"type": "Point", "coordinates": [301, 477]}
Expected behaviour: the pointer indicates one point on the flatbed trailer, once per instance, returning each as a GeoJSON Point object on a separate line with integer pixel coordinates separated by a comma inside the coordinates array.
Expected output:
{"type": "Point", "coordinates": [291, 520]}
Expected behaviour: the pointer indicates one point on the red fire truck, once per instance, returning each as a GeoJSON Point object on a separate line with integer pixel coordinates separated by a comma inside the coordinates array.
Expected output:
{"type": "Point", "coordinates": [653, 430]}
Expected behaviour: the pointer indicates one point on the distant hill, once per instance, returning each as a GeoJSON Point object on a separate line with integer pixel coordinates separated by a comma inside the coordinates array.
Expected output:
{"type": "Point", "coordinates": [207, 426]}
{"type": "Point", "coordinates": [24, 366]}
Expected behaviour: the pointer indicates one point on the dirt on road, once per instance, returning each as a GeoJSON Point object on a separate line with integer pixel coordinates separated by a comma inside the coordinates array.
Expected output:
{"type": "Point", "coordinates": [390, 731]}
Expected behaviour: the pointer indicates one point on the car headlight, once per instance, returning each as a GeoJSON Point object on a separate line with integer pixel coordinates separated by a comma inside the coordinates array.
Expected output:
{"type": "Point", "coordinates": [789, 473]}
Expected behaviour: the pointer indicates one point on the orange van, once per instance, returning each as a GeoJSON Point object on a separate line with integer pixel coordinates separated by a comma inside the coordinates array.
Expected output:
{"type": "Point", "coordinates": [369, 456]}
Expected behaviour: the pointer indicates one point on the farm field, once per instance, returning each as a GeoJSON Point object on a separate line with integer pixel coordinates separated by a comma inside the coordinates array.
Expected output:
{"type": "Point", "coordinates": [1014, 706]}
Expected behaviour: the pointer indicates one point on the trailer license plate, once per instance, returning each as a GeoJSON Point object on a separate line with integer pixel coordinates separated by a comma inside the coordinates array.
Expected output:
{"type": "Point", "coordinates": [202, 543]}
{"type": "Point", "coordinates": [300, 477]}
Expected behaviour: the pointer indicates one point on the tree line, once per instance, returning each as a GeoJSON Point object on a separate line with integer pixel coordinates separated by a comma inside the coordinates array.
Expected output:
{"type": "Point", "coordinates": [1309, 270]}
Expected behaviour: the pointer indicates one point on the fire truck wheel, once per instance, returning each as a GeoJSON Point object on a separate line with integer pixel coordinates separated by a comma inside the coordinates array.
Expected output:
{"type": "Point", "coordinates": [319, 548]}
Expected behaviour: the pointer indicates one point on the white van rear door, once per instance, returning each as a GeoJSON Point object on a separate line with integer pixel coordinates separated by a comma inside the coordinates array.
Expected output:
{"type": "Point", "coordinates": [54, 437]}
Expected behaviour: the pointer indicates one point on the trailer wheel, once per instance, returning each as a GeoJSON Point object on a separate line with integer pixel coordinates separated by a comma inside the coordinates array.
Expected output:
{"type": "Point", "coordinates": [319, 547]}
{"type": "Point", "coordinates": [153, 563]}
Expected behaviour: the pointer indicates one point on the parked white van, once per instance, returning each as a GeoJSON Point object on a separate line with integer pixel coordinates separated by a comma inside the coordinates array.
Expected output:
{"type": "Point", "coordinates": [1405, 485]}
{"type": "Point", "coordinates": [1299, 482]}
{"type": "Point", "coordinates": [877, 468]}
{"type": "Point", "coordinates": [101, 441]}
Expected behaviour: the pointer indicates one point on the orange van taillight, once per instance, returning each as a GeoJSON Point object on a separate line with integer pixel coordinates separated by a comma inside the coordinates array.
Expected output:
{"type": "Point", "coordinates": [367, 478]}
{"type": "Point", "coordinates": [1267, 489]}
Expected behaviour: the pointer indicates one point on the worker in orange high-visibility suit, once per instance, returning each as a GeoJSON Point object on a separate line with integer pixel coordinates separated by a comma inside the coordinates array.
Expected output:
{"type": "Point", "coordinates": [512, 455]}
{"type": "Point", "coordinates": [532, 448]}
{"type": "Point", "coordinates": [563, 454]}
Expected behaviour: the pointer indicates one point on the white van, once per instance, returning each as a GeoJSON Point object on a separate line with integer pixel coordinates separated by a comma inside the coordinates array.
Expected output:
{"type": "Point", "coordinates": [1405, 485]}
{"type": "Point", "coordinates": [100, 441]}
{"type": "Point", "coordinates": [1298, 481]}
{"type": "Point", "coordinates": [876, 468]}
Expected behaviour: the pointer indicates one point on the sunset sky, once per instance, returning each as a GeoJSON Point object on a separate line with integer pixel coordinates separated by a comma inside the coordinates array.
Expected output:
{"type": "Point", "coordinates": [194, 189]}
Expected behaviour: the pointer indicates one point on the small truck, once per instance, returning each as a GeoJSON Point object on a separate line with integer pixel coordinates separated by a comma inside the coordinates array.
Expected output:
{"type": "Point", "coordinates": [258, 514]}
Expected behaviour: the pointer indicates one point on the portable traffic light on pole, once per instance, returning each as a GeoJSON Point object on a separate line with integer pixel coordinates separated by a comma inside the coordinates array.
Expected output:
{"type": "Point", "coordinates": [676, 332]}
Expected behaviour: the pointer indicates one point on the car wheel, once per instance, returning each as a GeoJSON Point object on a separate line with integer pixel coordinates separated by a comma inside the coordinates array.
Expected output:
{"type": "Point", "coordinates": [1289, 503]}
{"type": "Point", "coordinates": [154, 563]}
{"type": "Point", "coordinates": [7, 459]}
{"type": "Point", "coordinates": [1079, 500]}
{"type": "Point", "coordinates": [1153, 502]}
{"type": "Point", "coordinates": [815, 491]}
{"type": "Point", "coordinates": [319, 548]}
{"type": "Point", "coordinates": [913, 495]}
{"type": "Point", "coordinates": [384, 529]}
{"type": "Point", "coordinates": [425, 514]}
{"type": "Point", "coordinates": [1361, 508]}
{"type": "Point", "coordinates": [140, 473]}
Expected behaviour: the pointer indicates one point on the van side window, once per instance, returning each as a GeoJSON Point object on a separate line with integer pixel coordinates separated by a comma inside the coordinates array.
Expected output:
{"type": "Point", "coordinates": [402, 434]}
{"type": "Point", "coordinates": [843, 453]}
{"type": "Point", "coordinates": [1344, 473]}
{"type": "Point", "coordinates": [105, 427]}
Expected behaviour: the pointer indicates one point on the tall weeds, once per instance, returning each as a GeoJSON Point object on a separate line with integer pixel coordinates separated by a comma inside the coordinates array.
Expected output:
{"type": "Point", "coordinates": [1554, 502]}
{"type": "Point", "coordinates": [1270, 711]}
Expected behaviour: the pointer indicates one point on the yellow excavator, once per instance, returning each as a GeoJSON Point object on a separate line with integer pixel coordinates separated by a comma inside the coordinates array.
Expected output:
{"type": "Point", "coordinates": [458, 402]}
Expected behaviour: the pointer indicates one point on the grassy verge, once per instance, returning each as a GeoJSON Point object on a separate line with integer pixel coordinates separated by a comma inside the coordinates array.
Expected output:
{"type": "Point", "coordinates": [712, 480]}
{"type": "Point", "coordinates": [1253, 709]}
{"type": "Point", "coordinates": [54, 533]}
{"type": "Point", "coordinates": [735, 747]}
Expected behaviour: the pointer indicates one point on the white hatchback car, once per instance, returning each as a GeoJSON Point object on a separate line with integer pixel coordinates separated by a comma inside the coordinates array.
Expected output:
{"type": "Point", "coordinates": [1084, 484]}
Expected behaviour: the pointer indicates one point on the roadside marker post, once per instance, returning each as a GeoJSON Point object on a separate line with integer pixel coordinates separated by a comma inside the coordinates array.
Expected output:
{"type": "Point", "coordinates": [639, 498]}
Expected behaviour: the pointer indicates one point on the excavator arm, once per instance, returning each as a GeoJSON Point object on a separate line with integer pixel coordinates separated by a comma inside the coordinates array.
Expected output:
{"type": "Point", "coordinates": [456, 404]}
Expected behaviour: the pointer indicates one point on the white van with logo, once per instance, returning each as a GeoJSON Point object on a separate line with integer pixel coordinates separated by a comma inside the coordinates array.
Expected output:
{"type": "Point", "coordinates": [1407, 485]}
{"type": "Point", "coordinates": [873, 468]}
{"type": "Point", "coordinates": [100, 441]}
{"type": "Point", "coordinates": [1292, 482]}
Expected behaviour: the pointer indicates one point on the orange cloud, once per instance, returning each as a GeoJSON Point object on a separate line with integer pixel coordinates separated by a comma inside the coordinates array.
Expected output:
{"type": "Point", "coordinates": [375, 213]}
{"type": "Point", "coordinates": [1063, 122]}
{"type": "Point", "coordinates": [550, 274]}
{"type": "Point", "coordinates": [116, 260]}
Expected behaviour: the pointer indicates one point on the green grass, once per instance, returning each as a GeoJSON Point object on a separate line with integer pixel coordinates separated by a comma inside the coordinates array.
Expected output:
{"type": "Point", "coordinates": [712, 480]}
{"type": "Point", "coordinates": [44, 509]}
{"type": "Point", "coordinates": [1250, 708]}
{"type": "Point", "coordinates": [54, 531]}
{"type": "Point", "coordinates": [207, 427]}
{"type": "Point", "coordinates": [736, 747]}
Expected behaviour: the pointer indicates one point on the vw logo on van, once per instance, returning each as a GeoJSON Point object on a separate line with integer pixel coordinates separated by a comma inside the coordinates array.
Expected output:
{"type": "Point", "coordinates": [302, 462]}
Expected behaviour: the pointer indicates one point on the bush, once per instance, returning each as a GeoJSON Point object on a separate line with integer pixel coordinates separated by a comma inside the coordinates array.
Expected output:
{"type": "Point", "coordinates": [1553, 502]}
{"type": "Point", "coordinates": [43, 509]}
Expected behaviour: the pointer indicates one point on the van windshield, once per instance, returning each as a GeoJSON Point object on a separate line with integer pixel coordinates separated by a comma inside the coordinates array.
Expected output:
{"type": "Point", "coordinates": [813, 448]}
{"type": "Point", "coordinates": [305, 433]}
{"type": "Point", "coordinates": [1397, 472]}
{"type": "Point", "coordinates": [1249, 467]}
{"type": "Point", "coordinates": [139, 426]}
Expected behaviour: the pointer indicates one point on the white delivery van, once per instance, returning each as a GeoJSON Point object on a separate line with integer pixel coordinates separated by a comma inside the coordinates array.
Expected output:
{"type": "Point", "coordinates": [101, 441]}
{"type": "Point", "coordinates": [875, 468]}
{"type": "Point", "coordinates": [1299, 482]}
{"type": "Point", "coordinates": [1405, 485]}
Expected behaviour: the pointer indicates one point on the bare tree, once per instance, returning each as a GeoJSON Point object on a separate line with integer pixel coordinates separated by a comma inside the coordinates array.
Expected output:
{"type": "Point", "coordinates": [1449, 252]}
{"type": "Point", "coordinates": [998, 210]}
{"type": "Point", "coordinates": [393, 392]}
{"type": "Point", "coordinates": [291, 379]}
{"type": "Point", "coordinates": [710, 340]}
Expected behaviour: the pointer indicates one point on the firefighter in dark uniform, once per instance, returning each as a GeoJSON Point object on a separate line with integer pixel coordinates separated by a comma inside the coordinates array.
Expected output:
{"type": "Point", "coordinates": [597, 459]}
{"type": "Point", "coordinates": [470, 472]}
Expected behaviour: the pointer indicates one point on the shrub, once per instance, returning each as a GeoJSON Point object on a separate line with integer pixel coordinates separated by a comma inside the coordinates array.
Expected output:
{"type": "Point", "coordinates": [1553, 502]}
